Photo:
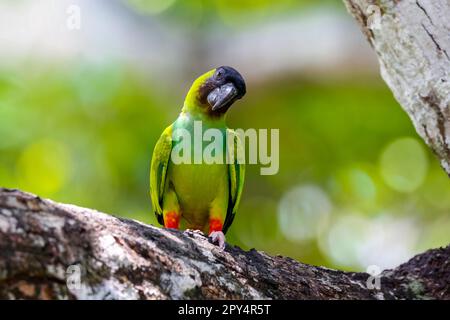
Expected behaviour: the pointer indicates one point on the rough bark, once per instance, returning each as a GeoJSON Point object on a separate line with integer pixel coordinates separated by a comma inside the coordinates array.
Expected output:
{"type": "Point", "coordinates": [412, 41]}
{"type": "Point", "coordinates": [125, 259]}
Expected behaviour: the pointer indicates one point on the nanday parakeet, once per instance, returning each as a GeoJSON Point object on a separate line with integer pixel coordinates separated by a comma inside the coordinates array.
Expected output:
{"type": "Point", "coordinates": [200, 196]}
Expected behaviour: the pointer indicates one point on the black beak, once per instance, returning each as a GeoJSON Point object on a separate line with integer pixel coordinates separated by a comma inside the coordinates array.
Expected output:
{"type": "Point", "coordinates": [222, 96]}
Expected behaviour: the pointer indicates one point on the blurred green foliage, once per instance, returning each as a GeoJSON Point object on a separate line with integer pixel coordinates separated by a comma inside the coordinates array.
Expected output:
{"type": "Point", "coordinates": [232, 13]}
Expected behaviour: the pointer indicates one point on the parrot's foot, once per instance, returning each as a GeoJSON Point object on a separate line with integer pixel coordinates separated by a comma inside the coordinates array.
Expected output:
{"type": "Point", "coordinates": [219, 238]}
{"type": "Point", "coordinates": [197, 231]}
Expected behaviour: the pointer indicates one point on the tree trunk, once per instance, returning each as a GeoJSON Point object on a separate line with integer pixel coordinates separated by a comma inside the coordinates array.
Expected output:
{"type": "Point", "coordinates": [57, 251]}
{"type": "Point", "coordinates": [412, 41]}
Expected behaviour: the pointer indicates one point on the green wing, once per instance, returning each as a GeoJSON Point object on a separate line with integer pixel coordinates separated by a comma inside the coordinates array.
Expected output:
{"type": "Point", "coordinates": [158, 171]}
{"type": "Point", "coordinates": [236, 176]}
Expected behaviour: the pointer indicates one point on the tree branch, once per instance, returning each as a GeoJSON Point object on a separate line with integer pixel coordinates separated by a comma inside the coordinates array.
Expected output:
{"type": "Point", "coordinates": [125, 259]}
{"type": "Point", "coordinates": [412, 41]}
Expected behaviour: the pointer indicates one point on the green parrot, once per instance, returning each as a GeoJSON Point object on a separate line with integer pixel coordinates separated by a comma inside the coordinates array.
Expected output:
{"type": "Point", "coordinates": [200, 196]}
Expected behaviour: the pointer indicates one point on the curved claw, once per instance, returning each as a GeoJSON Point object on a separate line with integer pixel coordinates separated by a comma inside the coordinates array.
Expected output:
{"type": "Point", "coordinates": [219, 238]}
{"type": "Point", "coordinates": [196, 231]}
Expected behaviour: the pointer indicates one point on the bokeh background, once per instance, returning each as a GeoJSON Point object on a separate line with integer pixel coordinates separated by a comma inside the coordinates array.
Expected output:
{"type": "Point", "coordinates": [81, 110]}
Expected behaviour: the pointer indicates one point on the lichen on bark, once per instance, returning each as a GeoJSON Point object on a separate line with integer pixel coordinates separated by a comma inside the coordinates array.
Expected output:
{"type": "Point", "coordinates": [125, 259]}
{"type": "Point", "coordinates": [412, 41]}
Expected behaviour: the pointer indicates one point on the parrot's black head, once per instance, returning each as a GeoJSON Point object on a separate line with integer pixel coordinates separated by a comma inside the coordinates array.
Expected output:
{"type": "Point", "coordinates": [220, 90]}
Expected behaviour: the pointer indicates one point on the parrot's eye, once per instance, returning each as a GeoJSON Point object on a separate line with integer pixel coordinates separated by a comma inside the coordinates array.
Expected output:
{"type": "Point", "coordinates": [219, 74]}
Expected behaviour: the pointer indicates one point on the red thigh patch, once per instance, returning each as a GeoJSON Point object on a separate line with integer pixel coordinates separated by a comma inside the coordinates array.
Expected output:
{"type": "Point", "coordinates": [171, 220]}
{"type": "Point", "coordinates": [215, 225]}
